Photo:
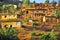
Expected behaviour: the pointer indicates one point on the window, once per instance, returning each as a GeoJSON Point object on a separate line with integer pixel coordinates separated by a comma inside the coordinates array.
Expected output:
{"type": "Point", "coordinates": [27, 12]}
{"type": "Point", "coordinates": [10, 25]}
{"type": "Point", "coordinates": [37, 11]}
{"type": "Point", "coordinates": [5, 26]}
{"type": "Point", "coordinates": [18, 16]}
{"type": "Point", "coordinates": [5, 16]}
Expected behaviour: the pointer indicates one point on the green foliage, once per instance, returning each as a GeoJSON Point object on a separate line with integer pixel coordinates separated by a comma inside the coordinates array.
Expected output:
{"type": "Point", "coordinates": [33, 33]}
{"type": "Point", "coordinates": [54, 2]}
{"type": "Point", "coordinates": [23, 12]}
{"type": "Point", "coordinates": [8, 8]}
{"type": "Point", "coordinates": [47, 1]}
{"type": "Point", "coordinates": [26, 2]}
{"type": "Point", "coordinates": [34, 2]}
{"type": "Point", "coordinates": [35, 24]}
{"type": "Point", "coordinates": [44, 36]}
{"type": "Point", "coordinates": [53, 36]}
{"type": "Point", "coordinates": [57, 13]}
{"type": "Point", "coordinates": [8, 34]}
{"type": "Point", "coordinates": [12, 9]}
{"type": "Point", "coordinates": [48, 36]}
{"type": "Point", "coordinates": [29, 19]}
{"type": "Point", "coordinates": [0, 21]}
{"type": "Point", "coordinates": [58, 25]}
{"type": "Point", "coordinates": [1, 9]}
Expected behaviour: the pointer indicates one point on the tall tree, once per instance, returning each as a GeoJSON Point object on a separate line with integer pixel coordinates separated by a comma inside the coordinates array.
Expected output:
{"type": "Point", "coordinates": [59, 2]}
{"type": "Point", "coordinates": [47, 1]}
{"type": "Point", "coordinates": [57, 14]}
{"type": "Point", "coordinates": [54, 2]}
{"type": "Point", "coordinates": [26, 2]}
{"type": "Point", "coordinates": [34, 1]}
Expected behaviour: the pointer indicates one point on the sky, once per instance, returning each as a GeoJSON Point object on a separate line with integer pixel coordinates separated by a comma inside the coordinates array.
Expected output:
{"type": "Point", "coordinates": [42, 1]}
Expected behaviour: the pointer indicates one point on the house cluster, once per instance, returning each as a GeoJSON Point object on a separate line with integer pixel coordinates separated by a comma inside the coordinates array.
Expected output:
{"type": "Point", "coordinates": [34, 13]}
{"type": "Point", "coordinates": [40, 14]}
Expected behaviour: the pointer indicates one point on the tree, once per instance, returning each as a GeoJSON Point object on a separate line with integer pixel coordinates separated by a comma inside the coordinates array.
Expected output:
{"type": "Point", "coordinates": [12, 9]}
{"type": "Point", "coordinates": [54, 2]}
{"type": "Point", "coordinates": [57, 14]}
{"type": "Point", "coordinates": [47, 1]}
{"type": "Point", "coordinates": [59, 2]}
{"type": "Point", "coordinates": [34, 2]}
{"type": "Point", "coordinates": [1, 7]}
{"type": "Point", "coordinates": [26, 2]}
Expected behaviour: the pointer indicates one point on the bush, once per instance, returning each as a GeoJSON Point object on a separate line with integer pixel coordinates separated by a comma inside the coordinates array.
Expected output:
{"type": "Point", "coordinates": [33, 33]}
{"type": "Point", "coordinates": [8, 34]}
{"type": "Point", "coordinates": [35, 24]}
{"type": "Point", "coordinates": [58, 25]}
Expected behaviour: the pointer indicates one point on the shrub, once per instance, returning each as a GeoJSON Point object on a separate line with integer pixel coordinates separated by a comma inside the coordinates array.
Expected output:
{"type": "Point", "coordinates": [8, 34]}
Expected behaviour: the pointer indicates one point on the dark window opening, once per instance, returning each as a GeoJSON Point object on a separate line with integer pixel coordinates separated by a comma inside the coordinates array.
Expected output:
{"type": "Point", "coordinates": [27, 12]}
{"type": "Point", "coordinates": [5, 16]}
{"type": "Point", "coordinates": [10, 25]}
{"type": "Point", "coordinates": [18, 16]}
{"type": "Point", "coordinates": [5, 26]}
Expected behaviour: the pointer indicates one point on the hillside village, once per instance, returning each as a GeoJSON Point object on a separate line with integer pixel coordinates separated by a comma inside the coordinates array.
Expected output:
{"type": "Point", "coordinates": [31, 17]}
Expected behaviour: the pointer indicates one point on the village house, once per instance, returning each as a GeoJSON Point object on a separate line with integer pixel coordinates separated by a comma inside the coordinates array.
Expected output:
{"type": "Point", "coordinates": [40, 13]}
{"type": "Point", "coordinates": [34, 12]}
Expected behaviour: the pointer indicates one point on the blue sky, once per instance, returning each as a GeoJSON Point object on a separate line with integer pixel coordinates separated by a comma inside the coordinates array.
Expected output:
{"type": "Point", "coordinates": [42, 1]}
